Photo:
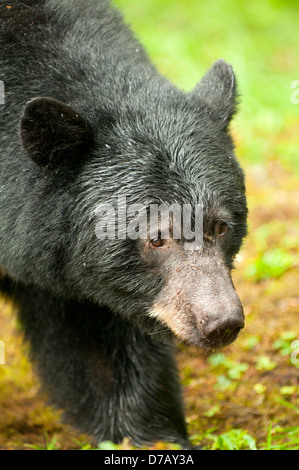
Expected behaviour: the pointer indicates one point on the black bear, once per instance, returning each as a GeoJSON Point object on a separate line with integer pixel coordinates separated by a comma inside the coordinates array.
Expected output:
{"type": "Point", "coordinates": [87, 121]}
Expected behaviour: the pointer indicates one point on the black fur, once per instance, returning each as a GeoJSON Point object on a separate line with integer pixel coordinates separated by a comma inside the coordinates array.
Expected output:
{"type": "Point", "coordinates": [87, 115]}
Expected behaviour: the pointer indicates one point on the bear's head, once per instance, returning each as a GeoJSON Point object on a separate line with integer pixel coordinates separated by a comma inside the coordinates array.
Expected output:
{"type": "Point", "coordinates": [160, 208]}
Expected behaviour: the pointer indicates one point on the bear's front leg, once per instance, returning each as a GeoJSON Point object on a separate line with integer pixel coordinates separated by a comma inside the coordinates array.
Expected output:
{"type": "Point", "coordinates": [111, 381]}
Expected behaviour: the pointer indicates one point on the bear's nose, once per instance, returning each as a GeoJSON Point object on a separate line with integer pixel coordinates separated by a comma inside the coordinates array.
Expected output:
{"type": "Point", "coordinates": [223, 329]}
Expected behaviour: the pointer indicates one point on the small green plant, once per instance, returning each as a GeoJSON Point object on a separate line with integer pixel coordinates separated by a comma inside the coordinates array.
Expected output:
{"type": "Point", "coordinates": [265, 363]}
{"type": "Point", "coordinates": [235, 439]}
{"type": "Point", "coordinates": [282, 439]}
{"type": "Point", "coordinates": [50, 444]}
{"type": "Point", "coordinates": [273, 263]}
{"type": "Point", "coordinates": [108, 445]}
{"type": "Point", "coordinates": [229, 371]}
{"type": "Point", "coordinates": [284, 343]}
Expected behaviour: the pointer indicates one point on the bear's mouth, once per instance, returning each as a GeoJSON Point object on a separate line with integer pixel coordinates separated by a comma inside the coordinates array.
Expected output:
{"type": "Point", "coordinates": [217, 341]}
{"type": "Point", "coordinates": [187, 328]}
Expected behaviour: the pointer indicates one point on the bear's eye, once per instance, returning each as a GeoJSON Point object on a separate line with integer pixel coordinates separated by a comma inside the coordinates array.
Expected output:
{"type": "Point", "coordinates": [221, 229]}
{"type": "Point", "coordinates": [157, 242]}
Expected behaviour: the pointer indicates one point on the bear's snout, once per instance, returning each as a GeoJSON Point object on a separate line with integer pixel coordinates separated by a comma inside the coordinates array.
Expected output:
{"type": "Point", "coordinates": [223, 327]}
{"type": "Point", "coordinates": [200, 305]}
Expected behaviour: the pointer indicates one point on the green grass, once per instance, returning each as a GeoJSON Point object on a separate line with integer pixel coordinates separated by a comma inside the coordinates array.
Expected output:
{"type": "Point", "coordinates": [238, 439]}
{"type": "Point", "coordinates": [50, 444]}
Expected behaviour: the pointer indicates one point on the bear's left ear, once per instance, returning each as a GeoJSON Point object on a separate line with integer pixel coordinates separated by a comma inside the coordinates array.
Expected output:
{"type": "Point", "coordinates": [52, 131]}
{"type": "Point", "coordinates": [218, 90]}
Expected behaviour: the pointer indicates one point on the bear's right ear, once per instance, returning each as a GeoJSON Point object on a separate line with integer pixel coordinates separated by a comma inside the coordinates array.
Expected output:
{"type": "Point", "coordinates": [218, 90]}
{"type": "Point", "coordinates": [52, 131]}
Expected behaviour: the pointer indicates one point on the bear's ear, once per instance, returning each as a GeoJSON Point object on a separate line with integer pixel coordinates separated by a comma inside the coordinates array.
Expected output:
{"type": "Point", "coordinates": [218, 90]}
{"type": "Point", "coordinates": [52, 131]}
